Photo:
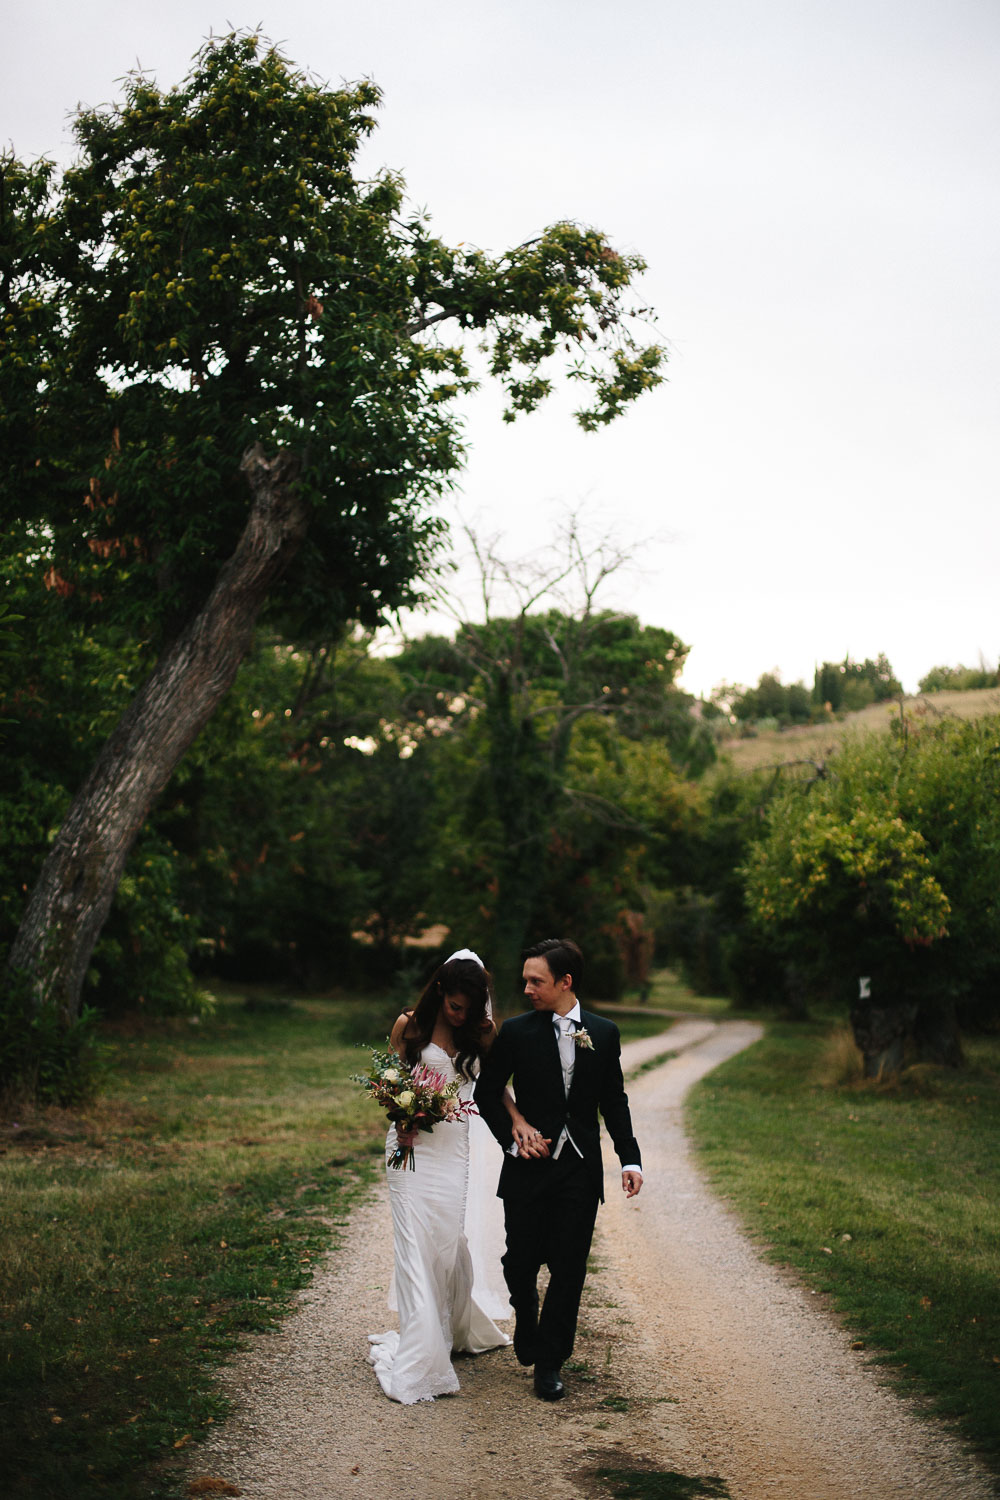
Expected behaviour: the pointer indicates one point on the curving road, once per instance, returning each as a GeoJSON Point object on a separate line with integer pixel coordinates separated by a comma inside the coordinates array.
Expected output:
{"type": "Point", "coordinates": [694, 1358]}
{"type": "Point", "coordinates": [767, 1393]}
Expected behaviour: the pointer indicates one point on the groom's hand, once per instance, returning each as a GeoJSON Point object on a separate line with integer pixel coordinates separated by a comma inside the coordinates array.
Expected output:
{"type": "Point", "coordinates": [631, 1183]}
{"type": "Point", "coordinates": [530, 1142]}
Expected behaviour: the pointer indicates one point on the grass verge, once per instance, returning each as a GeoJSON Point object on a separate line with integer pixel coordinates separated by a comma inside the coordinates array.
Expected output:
{"type": "Point", "coordinates": [143, 1236]}
{"type": "Point", "coordinates": [634, 1028]}
{"type": "Point", "coordinates": [888, 1200]}
{"type": "Point", "coordinates": [666, 992]}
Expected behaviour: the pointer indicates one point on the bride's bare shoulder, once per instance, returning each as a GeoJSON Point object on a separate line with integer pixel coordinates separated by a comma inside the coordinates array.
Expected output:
{"type": "Point", "coordinates": [403, 1028]}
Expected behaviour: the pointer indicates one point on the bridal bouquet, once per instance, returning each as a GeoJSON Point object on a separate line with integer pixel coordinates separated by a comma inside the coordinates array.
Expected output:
{"type": "Point", "coordinates": [411, 1097]}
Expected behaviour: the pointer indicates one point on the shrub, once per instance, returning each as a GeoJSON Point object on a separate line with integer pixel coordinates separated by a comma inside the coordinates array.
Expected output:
{"type": "Point", "coordinates": [42, 1057]}
{"type": "Point", "coordinates": [889, 868]}
{"type": "Point", "coordinates": [960, 679]}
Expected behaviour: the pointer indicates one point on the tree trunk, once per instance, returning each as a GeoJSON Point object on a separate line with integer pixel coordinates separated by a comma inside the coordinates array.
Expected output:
{"type": "Point", "coordinates": [880, 1032]}
{"type": "Point", "coordinates": [523, 788]}
{"type": "Point", "coordinates": [515, 908]}
{"type": "Point", "coordinates": [73, 895]}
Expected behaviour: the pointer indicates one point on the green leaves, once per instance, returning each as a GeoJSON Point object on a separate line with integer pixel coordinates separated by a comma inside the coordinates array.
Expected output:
{"type": "Point", "coordinates": [870, 857]}
{"type": "Point", "coordinates": [889, 864]}
{"type": "Point", "coordinates": [212, 273]}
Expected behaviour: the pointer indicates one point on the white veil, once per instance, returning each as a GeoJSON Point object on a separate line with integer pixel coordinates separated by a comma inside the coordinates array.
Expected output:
{"type": "Point", "coordinates": [468, 953]}
{"type": "Point", "coordinates": [484, 1227]}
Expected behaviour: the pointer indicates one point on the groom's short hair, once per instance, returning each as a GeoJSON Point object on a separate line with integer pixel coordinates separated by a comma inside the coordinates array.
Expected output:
{"type": "Point", "coordinates": [562, 956]}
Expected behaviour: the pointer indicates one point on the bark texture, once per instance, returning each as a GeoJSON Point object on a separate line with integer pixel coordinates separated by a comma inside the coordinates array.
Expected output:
{"type": "Point", "coordinates": [880, 1033]}
{"type": "Point", "coordinates": [71, 900]}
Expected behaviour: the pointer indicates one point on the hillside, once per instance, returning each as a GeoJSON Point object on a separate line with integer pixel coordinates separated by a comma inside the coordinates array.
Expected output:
{"type": "Point", "coordinates": [820, 741]}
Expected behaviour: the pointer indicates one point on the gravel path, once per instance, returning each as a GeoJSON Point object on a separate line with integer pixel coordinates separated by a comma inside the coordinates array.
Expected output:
{"type": "Point", "coordinates": [695, 1358]}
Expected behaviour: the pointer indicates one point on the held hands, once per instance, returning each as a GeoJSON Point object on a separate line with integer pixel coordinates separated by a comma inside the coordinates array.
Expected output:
{"type": "Point", "coordinates": [530, 1142]}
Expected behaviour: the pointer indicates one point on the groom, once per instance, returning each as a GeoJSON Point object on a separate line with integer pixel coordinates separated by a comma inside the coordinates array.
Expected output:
{"type": "Point", "coordinates": [565, 1064]}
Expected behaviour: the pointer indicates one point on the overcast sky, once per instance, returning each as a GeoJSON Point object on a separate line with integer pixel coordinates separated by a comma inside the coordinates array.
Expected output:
{"type": "Point", "coordinates": [814, 184]}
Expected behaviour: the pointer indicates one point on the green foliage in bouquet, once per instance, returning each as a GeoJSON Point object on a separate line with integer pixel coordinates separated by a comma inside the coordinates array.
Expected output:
{"type": "Point", "coordinates": [416, 1098]}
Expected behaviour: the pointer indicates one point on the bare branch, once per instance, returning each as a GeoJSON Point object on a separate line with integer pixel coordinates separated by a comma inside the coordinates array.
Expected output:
{"type": "Point", "coordinates": [571, 710]}
{"type": "Point", "coordinates": [558, 652]}
{"type": "Point", "coordinates": [604, 810]}
{"type": "Point", "coordinates": [776, 767]}
{"type": "Point", "coordinates": [419, 325]}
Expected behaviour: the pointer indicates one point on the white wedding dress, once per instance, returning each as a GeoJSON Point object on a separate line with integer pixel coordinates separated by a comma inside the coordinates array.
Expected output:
{"type": "Point", "coordinates": [448, 1238]}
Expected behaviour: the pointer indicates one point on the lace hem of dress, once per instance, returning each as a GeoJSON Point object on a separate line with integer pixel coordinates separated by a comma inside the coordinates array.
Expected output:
{"type": "Point", "coordinates": [406, 1391]}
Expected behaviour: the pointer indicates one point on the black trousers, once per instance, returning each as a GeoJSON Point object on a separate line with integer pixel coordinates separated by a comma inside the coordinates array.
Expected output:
{"type": "Point", "coordinates": [551, 1225]}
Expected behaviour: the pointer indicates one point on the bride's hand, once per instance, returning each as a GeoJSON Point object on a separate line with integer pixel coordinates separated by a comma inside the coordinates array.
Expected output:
{"type": "Point", "coordinates": [406, 1135]}
{"type": "Point", "coordinates": [530, 1142]}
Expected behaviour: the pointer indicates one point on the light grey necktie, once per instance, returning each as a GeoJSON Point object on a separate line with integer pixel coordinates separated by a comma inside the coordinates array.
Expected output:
{"type": "Point", "coordinates": [567, 1049]}
{"type": "Point", "coordinates": [567, 1057]}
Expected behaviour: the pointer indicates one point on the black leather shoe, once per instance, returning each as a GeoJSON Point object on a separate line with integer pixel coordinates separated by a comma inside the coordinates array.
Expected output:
{"type": "Point", "coordinates": [548, 1386]}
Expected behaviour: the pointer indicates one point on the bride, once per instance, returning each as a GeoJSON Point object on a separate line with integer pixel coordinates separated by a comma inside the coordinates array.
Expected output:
{"type": "Point", "coordinates": [443, 1303]}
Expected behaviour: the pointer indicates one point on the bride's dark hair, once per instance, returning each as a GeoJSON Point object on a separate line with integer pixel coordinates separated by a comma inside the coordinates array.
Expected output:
{"type": "Point", "coordinates": [459, 976]}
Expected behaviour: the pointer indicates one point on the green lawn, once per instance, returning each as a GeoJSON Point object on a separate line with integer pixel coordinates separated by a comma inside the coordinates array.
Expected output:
{"type": "Point", "coordinates": [666, 992]}
{"type": "Point", "coordinates": [887, 1200]}
{"type": "Point", "coordinates": [141, 1237]}
{"type": "Point", "coordinates": [633, 1026]}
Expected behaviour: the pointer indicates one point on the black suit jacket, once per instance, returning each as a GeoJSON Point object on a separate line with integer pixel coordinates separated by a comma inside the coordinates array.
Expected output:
{"type": "Point", "coordinates": [527, 1052]}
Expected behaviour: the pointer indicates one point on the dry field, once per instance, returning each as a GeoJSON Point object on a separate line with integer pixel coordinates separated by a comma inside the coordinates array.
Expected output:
{"type": "Point", "coordinates": [817, 742]}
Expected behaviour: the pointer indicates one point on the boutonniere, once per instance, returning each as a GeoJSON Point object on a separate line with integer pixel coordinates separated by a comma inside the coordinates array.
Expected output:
{"type": "Point", "coordinates": [582, 1039]}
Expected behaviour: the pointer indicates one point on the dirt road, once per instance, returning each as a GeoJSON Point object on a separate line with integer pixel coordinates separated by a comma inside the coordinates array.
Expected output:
{"type": "Point", "coordinates": [695, 1360]}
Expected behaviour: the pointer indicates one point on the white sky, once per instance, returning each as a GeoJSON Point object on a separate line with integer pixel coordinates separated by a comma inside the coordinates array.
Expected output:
{"type": "Point", "coordinates": [814, 184]}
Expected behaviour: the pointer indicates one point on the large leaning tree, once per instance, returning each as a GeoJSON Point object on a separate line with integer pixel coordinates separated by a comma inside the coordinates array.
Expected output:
{"type": "Point", "coordinates": [231, 367]}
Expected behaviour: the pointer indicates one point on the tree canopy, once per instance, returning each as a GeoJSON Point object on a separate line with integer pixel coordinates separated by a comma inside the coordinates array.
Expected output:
{"type": "Point", "coordinates": [213, 273]}
{"type": "Point", "coordinates": [226, 388]}
{"type": "Point", "coordinates": [885, 869]}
